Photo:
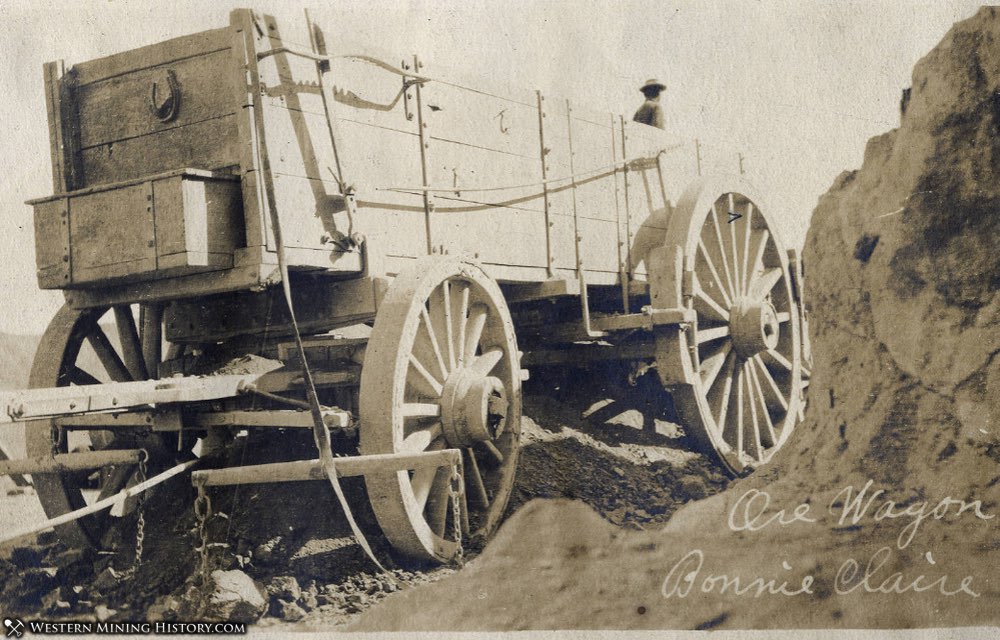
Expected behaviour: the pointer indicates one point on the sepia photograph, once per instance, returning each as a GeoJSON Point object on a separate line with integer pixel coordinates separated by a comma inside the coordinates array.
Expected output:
{"type": "Point", "coordinates": [493, 318]}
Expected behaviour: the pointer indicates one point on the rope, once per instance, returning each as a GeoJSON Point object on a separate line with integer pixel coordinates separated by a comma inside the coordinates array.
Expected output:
{"type": "Point", "coordinates": [607, 169]}
{"type": "Point", "coordinates": [106, 503]}
{"type": "Point", "coordinates": [321, 435]}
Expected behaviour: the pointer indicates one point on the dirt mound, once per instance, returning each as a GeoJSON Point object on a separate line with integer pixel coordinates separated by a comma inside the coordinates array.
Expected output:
{"type": "Point", "coordinates": [881, 511]}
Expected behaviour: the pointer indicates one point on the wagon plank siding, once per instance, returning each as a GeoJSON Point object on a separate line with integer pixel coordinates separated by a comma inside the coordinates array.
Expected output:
{"type": "Point", "coordinates": [152, 55]}
{"type": "Point", "coordinates": [478, 119]}
{"type": "Point", "coordinates": [462, 166]}
{"type": "Point", "coordinates": [211, 145]}
{"type": "Point", "coordinates": [119, 107]}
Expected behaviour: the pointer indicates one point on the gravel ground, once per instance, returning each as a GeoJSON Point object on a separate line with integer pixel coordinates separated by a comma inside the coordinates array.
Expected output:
{"type": "Point", "coordinates": [618, 453]}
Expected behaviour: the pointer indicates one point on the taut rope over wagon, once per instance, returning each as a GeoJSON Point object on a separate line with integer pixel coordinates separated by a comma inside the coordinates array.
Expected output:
{"type": "Point", "coordinates": [227, 204]}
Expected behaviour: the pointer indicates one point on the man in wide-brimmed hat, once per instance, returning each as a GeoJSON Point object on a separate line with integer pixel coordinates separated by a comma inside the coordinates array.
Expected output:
{"type": "Point", "coordinates": [651, 112]}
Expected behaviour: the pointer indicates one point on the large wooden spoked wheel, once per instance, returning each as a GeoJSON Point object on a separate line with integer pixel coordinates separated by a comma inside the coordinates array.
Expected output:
{"type": "Point", "coordinates": [76, 349]}
{"type": "Point", "coordinates": [735, 375]}
{"type": "Point", "coordinates": [441, 371]}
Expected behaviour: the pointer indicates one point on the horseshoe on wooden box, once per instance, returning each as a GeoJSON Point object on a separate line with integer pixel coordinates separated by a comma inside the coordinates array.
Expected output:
{"type": "Point", "coordinates": [165, 106]}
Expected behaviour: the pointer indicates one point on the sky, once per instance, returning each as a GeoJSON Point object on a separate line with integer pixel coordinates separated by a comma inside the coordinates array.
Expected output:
{"type": "Point", "coordinates": [796, 87]}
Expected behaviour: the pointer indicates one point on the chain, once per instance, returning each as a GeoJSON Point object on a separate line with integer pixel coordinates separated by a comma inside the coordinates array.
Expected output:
{"type": "Point", "coordinates": [140, 527]}
{"type": "Point", "coordinates": [455, 491]}
{"type": "Point", "coordinates": [202, 512]}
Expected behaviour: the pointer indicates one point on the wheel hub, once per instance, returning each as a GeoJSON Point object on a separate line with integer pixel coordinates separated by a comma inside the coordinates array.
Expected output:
{"type": "Point", "coordinates": [473, 408]}
{"type": "Point", "coordinates": [754, 327]}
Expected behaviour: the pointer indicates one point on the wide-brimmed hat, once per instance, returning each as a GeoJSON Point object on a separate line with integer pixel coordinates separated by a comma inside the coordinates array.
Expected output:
{"type": "Point", "coordinates": [653, 82]}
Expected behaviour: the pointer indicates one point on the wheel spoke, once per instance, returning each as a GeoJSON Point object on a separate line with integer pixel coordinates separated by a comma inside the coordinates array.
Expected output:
{"type": "Point", "coordinates": [752, 438]}
{"type": "Point", "coordinates": [424, 382]}
{"type": "Point", "coordinates": [715, 273]}
{"type": "Point", "coordinates": [422, 479]}
{"type": "Point", "coordinates": [771, 385]}
{"type": "Point", "coordinates": [727, 389]}
{"type": "Point", "coordinates": [422, 482]}
{"type": "Point", "coordinates": [78, 376]}
{"type": "Point", "coordinates": [739, 407]}
{"type": "Point", "coordinates": [421, 410]}
{"type": "Point", "coordinates": [778, 359]}
{"type": "Point", "coordinates": [106, 353]}
{"type": "Point", "coordinates": [746, 246]}
{"type": "Point", "coordinates": [478, 486]}
{"type": "Point", "coordinates": [762, 285]}
{"type": "Point", "coordinates": [117, 480]}
{"type": "Point", "coordinates": [758, 256]}
{"type": "Point", "coordinates": [421, 439]}
{"type": "Point", "coordinates": [715, 333]}
{"type": "Point", "coordinates": [768, 437]}
{"type": "Point", "coordinates": [740, 285]}
{"type": "Point", "coordinates": [448, 324]}
{"type": "Point", "coordinates": [709, 307]}
{"type": "Point", "coordinates": [493, 451]}
{"type": "Point", "coordinates": [722, 253]}
{"type": "Point", "coordinates": [477, 322]}
{"type": "Point", "coordinates": [128, 336]}
{"type": "Point", "coordinates": [431, 334]}
{"type": "Point", "coordinates": [484, 364]}
{"type": "Point", "coordinates": [151, 336]}
{"type": "Point", "coordinates": [712, 365]}
{"type": "Point", "coordinates": [461, 317]}
{"type": "Point", "coordinates": [439, 314]}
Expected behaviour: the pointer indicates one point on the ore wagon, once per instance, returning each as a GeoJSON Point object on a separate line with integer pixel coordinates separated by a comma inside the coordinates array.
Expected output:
{"type": "Point", "coordinates": [256, 231]}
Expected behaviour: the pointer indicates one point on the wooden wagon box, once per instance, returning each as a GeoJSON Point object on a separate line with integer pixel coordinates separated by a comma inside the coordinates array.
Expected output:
{"type": "Point", "coordinates": [173, 224]}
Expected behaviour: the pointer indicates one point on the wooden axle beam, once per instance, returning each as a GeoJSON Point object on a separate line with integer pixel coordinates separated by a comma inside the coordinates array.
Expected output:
{"type": "Point", "coordinates": [333, 418]}
{"type": "Point", "coordinates": [645, 320]}
{"type": "Point", "coordinates": [112, 398]}
{"type": "Point", "coordinates": [31, 404]}
{"type": "Point", "coordinates": [301, 470]}
{"type": "Point", "coordinates": [172, 420]}
{"type": "Point", "coordinates": [587, 353]}
{"type": "Point", "coordinates": [65, 462]}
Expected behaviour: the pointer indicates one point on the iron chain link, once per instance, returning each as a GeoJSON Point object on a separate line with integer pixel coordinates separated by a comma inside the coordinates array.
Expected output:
{"type": "Point", "coordinates": [455, 491]}
{"type": "Point", "coordinates": [140, 527]}
{"type": "Point", "coordinates": [202, 513]}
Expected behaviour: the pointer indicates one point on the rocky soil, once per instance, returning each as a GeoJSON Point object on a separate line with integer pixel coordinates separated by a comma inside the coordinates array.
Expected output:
{"type": "Point", "coordinates": [902, 273]}
{"type": "Point", "coordinates": [273, 561]}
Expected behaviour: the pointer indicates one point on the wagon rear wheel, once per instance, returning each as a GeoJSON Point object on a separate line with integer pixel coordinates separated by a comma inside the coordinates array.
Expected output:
{"type": "Point", "coordinates": [441, 371]}
{"type": "Point", "coordinates": [81, 347]}
{"type": "Point", "coordinates": [735, 375]}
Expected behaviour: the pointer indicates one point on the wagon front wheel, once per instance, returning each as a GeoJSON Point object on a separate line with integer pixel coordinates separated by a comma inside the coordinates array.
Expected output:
{"type": "Point", "coordinates": [441, 371]}
{"type": "Point", "coordinates": [735, 374]}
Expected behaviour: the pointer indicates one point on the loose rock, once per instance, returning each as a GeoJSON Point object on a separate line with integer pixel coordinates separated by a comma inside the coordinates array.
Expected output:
{"type": "Point", "coordinates": [236, 597]}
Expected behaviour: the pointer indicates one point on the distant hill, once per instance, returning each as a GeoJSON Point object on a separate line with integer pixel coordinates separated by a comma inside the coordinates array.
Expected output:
{"type": "Point", "coordinates": [16, 355]}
